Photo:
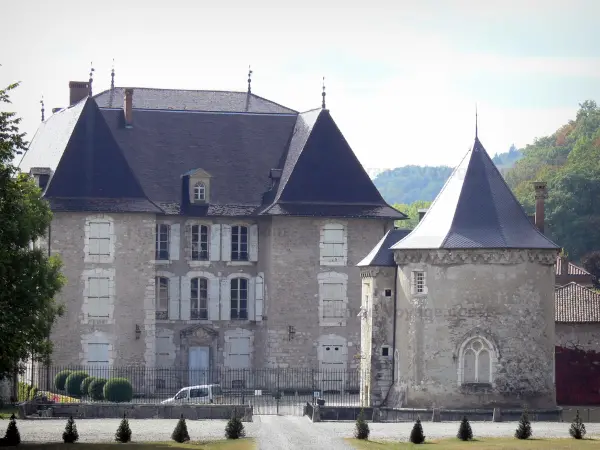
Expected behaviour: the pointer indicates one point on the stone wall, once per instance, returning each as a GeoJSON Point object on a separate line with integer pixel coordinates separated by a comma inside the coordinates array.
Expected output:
{"type": "Point", "coordinates": [583, 336]}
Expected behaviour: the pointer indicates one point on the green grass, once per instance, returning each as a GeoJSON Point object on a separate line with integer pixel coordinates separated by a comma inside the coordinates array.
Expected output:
{"type": "Point", "coordinates": [6, 412]}
{"type": "Point", "coordinates": [484, 444]}
{"type": "Point", "coordinates": [234, 444]}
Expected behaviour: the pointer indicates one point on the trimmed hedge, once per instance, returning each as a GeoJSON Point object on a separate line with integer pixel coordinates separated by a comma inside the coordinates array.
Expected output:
{"type": "Point", "coordinates": [73, 383]}
{"type": "Point", "coordinates": [96, 389]}
{"type": "Point", "coordinates": [85, 385]}
{"type": "Point", "coordinates": [118, 390]}
{"type": "Point", "coordinates": [60, 378]}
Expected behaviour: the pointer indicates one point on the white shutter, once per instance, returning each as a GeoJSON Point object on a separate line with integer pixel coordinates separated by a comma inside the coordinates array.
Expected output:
{"type": "Point", "coordinates": [424, 282]}
{"type": "Point", "coordinates": [253, 253]}
{"type": "Point", "coordinates": [174, 242]}
{"type": "Point", "coordinates": [413, 287]}
{"type": "Point", "coordinates": [185, 298]}
{"type": "Point", "coordinates": [251, 298]}
{"type": "Point", "coordinates": [225, 299]}
{"type": "Point", "coordinates": [188, 242]}
{"type": "Point", "coordinates": [226, 243]}
{"type": "Point", "coordinates": [215, 242]}
{"type": "Point", "coordinates": [174, 298]}
{"type": "Point", "coordinates": [213, 299]}
{"type": "Point", "coordinates": [259, 298]}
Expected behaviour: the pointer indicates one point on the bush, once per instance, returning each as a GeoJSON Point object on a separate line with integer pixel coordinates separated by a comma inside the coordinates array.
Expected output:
{"type": "Point", "coordinates": [577, 430]}
{"type": "Point", "coordinates": [60, 378]}
{"type": "Point", "coordinates": [70, 435]}
{"type": "Point", "coordinates": [180, 433]}
{"type": "Point", "coordinates": [118, 390]}
{"type": "Point", "coordinates": [22, 391]}
{"type": "Point", "coordinates": [123, 433]}
{"type": "Point", "coordinates": [96, 389]}
{"type": "Point", "coordinates": [33, 392]}
{"type": "Point", "coordinates": [416, 435]}
{"type": "Point", "coordinates": [234, 428]}
{"type": "Point", "coordinates": [12, 436]}
{"type": "Point", "coordinates": [362, 427]}
{"type": "Point", "coordinates": [524, 430]}
{"type": "Point", "coordinates": [73, 383]}
{"type": "Point", "coordinates": [85, 385]}
{"type": "Point", "coordinates": [464, 431]}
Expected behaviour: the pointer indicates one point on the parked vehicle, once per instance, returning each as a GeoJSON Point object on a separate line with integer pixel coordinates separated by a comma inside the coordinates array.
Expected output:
{"type": "Point", "coordinates": [206, 393]}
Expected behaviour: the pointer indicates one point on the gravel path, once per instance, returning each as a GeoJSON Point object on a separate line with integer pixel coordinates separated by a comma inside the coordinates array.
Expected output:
{"type": "Point", "coordinates": [278, 432]}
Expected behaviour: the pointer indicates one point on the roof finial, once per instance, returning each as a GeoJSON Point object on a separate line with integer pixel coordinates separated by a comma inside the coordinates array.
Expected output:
{"type": "Point", "coordinates": [112, 75]}
{"type": "Point", "coordinates": [91, 77]}
{"type": "Point", "coordinates": [476, 121]}
{"type": "Point", "coordinates": [249, 80]}
{"type": "Point", "coordinates": [42, 103]}
{"type": "Point", "coordinates": [323, 94]}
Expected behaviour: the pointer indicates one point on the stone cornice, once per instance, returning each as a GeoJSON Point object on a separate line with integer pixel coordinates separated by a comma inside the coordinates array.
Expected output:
{"type": "Point", "coordinates": [369, 272]}
{"type": "Point", "coordinates": [545, 257]}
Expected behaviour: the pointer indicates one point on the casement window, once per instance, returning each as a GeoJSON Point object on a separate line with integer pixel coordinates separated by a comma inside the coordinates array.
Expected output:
{"type": "Point", "coordinates": [163, 237]}
{"type": "Point", "coordinates": [476, 361]}
{"type": "Point", "coordinates": [199, 299]}
{"type": "Point", "coordinates": [419, 282]}
{"type": "Point", "coordinates": [239, 299]}
{"type": "Point", "coordinates": [199, 191]}
{"type": "Point", "coordinates": [333, 245]}
{"type": "Point", "coordinates": [239, 243]}
{"type": "Point", "coordinates": [99, 239]}
{"type": "Point", "coordinates": [199, 239]}
{"type": "Point", "coordinates": [98, 297]}
{"type": "Point", "coordinates": [334, 304]}
{"type": "Point", "coordinates": [162, 298]}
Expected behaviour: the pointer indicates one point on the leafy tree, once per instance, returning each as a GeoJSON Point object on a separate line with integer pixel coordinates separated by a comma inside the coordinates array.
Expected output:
{"type": "Point", "coordinates": [362, 427]}
{"type": "Point", "coordinates": [416, 435]}
{"type": "Point", "coordinates": [577, 430]}
{"type": "Point", "coordinates": [411, 183]}
{"type": "Point", "coordinates": [70, 435]}
{"type": "Point", "coordinates": [524, 429]}
{"type": "Point", "coordinates": [412, 211]}
{"type": "Point", "coordinates": [29, 278]}
{"type": "Point", "coordinates": [464, 430]}
{"type": "Point", "coordinates": [180, 433]}
{"type": "Point", "coordinates": [12, 436]}
{"type": "Point", "coordinates": [591, 263]}
{"type": "Point", "coordinates": [123, 433]}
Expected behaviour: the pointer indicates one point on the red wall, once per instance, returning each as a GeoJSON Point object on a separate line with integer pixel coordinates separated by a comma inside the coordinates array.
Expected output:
{"type": "Point", "coordinates": [577, 377]}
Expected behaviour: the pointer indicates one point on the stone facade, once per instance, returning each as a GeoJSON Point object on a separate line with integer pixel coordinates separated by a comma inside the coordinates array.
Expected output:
{"type": "Point", "coordinates": [473, 328]}
{"type": "Point", "coordinates": [582, 336]}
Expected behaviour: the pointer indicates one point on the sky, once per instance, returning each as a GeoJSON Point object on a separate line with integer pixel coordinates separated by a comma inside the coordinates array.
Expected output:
{"type": "Point", "coordinates": [403, 78]}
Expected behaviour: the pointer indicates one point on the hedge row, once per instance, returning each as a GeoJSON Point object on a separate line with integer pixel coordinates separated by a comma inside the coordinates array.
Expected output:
{"type": "Point", "coordinates": [79, 384]}
{"type": "Point", "coordinates": [25, 391]}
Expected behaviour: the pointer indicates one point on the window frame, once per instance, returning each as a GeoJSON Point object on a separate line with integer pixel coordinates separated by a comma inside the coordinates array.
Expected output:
{"type": "Point", "coordinates": [160, 312]}
{"type": "Point", "coordinates": [467, 346]}
{"type": "Point", "coordinates": [202, 231]}
{"type": "Point", "coordinates": [99, 239]}
{"type": "Point", "coordinates": [199, 191]}
{"type": "Point", "coordinates": [159, 242]}
{"type": "Point", "coordinates": [237, 254]}
{"type": "Point", "coordinates": [240, 313]}
{"type": "Point", "coordinates": [99, 298]}
{"type": "Point", "coordinates": [328, 255]}
{"type": "Point", "coordinates": [199, 312]}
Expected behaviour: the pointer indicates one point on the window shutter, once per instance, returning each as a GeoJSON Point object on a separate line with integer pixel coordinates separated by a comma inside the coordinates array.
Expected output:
{"type": "Point", "coordinates": [174, 242]}
{"type": "Point", "coordinates": [93, 352]}
{"type": "Point", "coordinates": [185, 298]}
{"type": "Point", "coordinates": [215, 242]}
{"type": "Point", "coordinates": [259, 296]}
{"type": "Point", "coordinates": [213, 298]}
{"type": "Point", "coordinates": [251, 298]}
{"type": "Point", "coordinates": [174, 298]}
{"type": "Point", "coordinates": [424, 282]}
{"type": "Point", "coordinates": [413, 287]}
{"type": "Point", "coordinates": [226, 243]}
{"type": "Point", "coordinates": [188, 242]}
{"type": "Point", "coordinates": [225, 300]}
{"type": "Point", "coordinates": [253, 253]}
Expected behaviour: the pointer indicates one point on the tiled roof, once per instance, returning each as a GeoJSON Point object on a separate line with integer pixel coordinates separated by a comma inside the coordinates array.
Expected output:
{"type": "Point", "coordinates": [572, 269]}
{"type": "Point", "coordinates": [382, 254]}
{"type": "Point", "coordinates": [475, 209]}
{"type": "Point", "coordinates": [577, 304]}
{"type": "Point", "coordinates": [190, 100]}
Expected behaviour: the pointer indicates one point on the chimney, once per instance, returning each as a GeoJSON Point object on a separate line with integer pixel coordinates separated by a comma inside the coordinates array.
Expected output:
{"type": "Point", "coordinates": [564, 265]}
{"type": "Point", "coordinates": [422, 213]}
{"type": "Point", "coordinates": [128, 107]}
{"type": "Point", "coordinates": [541, 193]}
{"type": "Point", "coordinates": [78, 90]}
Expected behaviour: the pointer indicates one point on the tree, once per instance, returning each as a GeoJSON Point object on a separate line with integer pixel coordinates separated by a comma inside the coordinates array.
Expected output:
{"type": "Point", "coordinates": [180, 433]}
{"type": "Point", "coordinates": [416, 435]}
{"type": "Point", "coordinates": [464, 430]}
{"type": "Point", "coordinates": [591, 263]}
{"type": "Point", "coordinates": [29, 278]}
{"type": "Point", "coordinates": [577, 430]}
{"type": "Point", "coordinates": [70, 435]}
{"type": "Point", "coordinates": [362, 427]}
{"type": "Point", "coordinates": [123, 433]}
{"type": "Point", "coordinates": [234, 428]}
{"type": "Point", "coordinates": [12, 436]}
{"type": "Point", "coordinates": [524, 429]}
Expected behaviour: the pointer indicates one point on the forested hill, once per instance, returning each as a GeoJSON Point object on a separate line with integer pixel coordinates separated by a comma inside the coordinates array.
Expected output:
{"type": "Point", "coordinates": [409, 184]}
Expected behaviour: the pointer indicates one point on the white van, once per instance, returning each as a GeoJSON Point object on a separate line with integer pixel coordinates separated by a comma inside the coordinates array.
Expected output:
{"type": "Point", "coordinates": [206, 393]}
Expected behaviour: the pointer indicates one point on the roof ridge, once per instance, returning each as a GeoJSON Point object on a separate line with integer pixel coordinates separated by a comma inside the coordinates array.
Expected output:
{"type": "Point", "coordinates": [272, 102]}
{"type": "Point", "coordinates": [173, 89]}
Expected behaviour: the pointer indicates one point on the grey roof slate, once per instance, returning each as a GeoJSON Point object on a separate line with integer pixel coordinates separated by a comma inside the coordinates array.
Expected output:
{"type": "Point", "coordinates": [475, 209]}
{"type": "Point", "coordinates": [382, 255]}
{"type": "Point", "coordinates": [190, 100]}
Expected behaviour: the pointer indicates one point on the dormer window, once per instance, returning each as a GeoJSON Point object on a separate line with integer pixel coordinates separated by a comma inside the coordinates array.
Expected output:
{"type": "Point", "coordinates": [199, 192]}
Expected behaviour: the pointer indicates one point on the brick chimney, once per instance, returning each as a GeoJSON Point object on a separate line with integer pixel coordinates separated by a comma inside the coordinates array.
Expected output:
{"type": "Point", "coordinates": [422, 213]}
{"type": "Point", "coordinates": [128, 107]}
{"type": "Point", "coordinates": [78, 90]}
{"type": "Point", "coordinates": [541, 193]}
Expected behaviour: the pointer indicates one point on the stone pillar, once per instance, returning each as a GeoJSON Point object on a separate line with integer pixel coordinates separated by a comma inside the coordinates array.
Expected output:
{"type": "Point", "coordinates": [497, 415]}
{"type": "Point", "coordinates": [436, 416]}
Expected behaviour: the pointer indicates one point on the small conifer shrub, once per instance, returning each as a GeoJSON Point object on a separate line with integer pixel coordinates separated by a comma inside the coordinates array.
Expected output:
{"type": "Point", "coordinates": [12, 438]}
{"type": "Point", "coordinates": [234, 428]}
{"type": "Point", "coordinates": [123, 433]}
{"type": "Point", "coordinates": [180, 433]}
{"type": "Point", "coordinates": [416, 435]}
{"type": "Point", "coordinates": [464, 430]}
{"type": "Point", "coordinates": [70, 435]}
{"type": "Point", "coordinates": [577, 430]}
{"type": "Point", "coordinates": [362, 427]}
{"type": "Point", "coordinates": [524, 429]}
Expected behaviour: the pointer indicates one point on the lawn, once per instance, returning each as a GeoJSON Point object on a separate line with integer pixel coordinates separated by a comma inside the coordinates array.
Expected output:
{"type": "Point", "coordinates": [490, 443]}
{"type": "Point", "coordinates": [6, 412]}
{"type": "Point", "coordinates": [234, 444]}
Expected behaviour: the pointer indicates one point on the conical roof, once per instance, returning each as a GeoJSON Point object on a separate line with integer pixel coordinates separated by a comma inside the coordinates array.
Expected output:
{"type": "Point", "coordinates": [475, 209]}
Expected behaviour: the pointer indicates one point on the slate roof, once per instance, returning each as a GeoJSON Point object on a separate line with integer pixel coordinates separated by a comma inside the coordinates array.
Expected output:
{"type": "Point", "coordinates": [475, 209]}
{"type": "Point", "coordinates": [102, 165]}
{"type": "Point", "coordinates": [576, 304]}
{"type": "Point", "coordinates": [382, 254]}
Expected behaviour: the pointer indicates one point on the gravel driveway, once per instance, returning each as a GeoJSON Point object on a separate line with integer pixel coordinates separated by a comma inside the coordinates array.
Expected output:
{"type": "Point", "coordinates": [278, 432]}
